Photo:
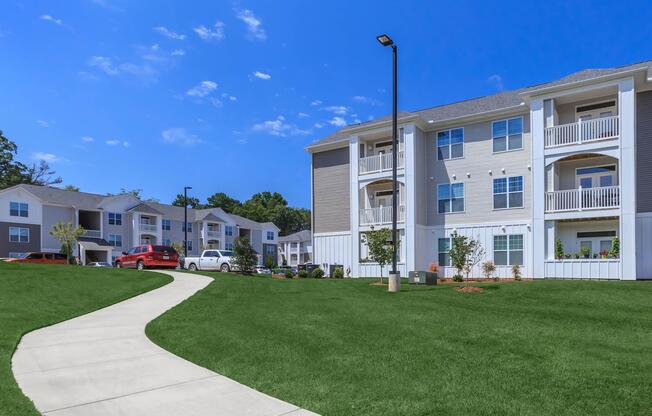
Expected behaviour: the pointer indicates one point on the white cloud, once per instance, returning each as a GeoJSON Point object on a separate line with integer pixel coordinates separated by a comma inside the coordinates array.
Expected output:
{"type": "Point", "coordinates": [315, 103]}
{"type": "Point", "coordinates": [178, 52]}
{"type": "Point", "coordinates": [164, 31]}
{"type": "Point", "coordinates": [340, 110]}
{"type": "Point", "coordinates": [87, 139]}
{"type": "Point", "coordinates": [278, 128]}
{"type": "Point", "coordinates": [262, 75]}
{"type": "Point", "coordinates": [48, 157]}
{"type": "Point", "coordinates": [180, 136]}
{"type": "Point", "coordinates": [104, 64]}
{"type": "Point", "coordinates": [49, 18]}
{"type": "Point", "coordinates": [337, 121]}
{"type": "Point", "coordinates": [319, 125]}
{"type": "Point", "coordinates": [207, 33]}
{"type": "Point", "coordinates": [203, 89]}
{"type": "Point", "coordinates": [43, 123]}
{"type": "Point", "coordinates": [254, 25]}
{"type": "Point", "coordinates": [497, 81]}
{"type": "Point", "coordinates": [365, 100]}
{"type": "Point", "coordinates": [229, 97]}
{"type": "Point", "coordinates": [216, 102]}
{"type": "Point", "coordinates": [303, 115]}
{"type": "Point", "coordinates": [116, 142]}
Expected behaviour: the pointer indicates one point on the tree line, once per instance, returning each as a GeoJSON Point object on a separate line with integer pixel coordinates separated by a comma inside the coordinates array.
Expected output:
{"type": "Point", "coordinates": [13, 172]}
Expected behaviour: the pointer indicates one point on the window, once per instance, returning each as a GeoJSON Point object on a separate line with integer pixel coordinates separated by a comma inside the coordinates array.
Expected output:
{"type": "Point", "coordinates": [167, 242]}
{"type": "Point", "coordinates": [507, 134]}
{"type": "Point", "coordinates": [444, 247]}
{"type": "Point", "coordinates": [189, 245]}
{"type": "Point", "coordinates": [188, 225]}
{"type": "Point", "coordinates": [228, 246]}
{"type": "Point", "coordinates": [228, 230]}
{"type": "Point", "coordinates": [270, 235]}
{"type": "Point", "coordinates": [450, 197]}
{"type": "Point", "coordinates": [508, 192]}
{"type": "Point", "coordinates": [508, 249]}
{"type": "Point", "coordinates": [450, 144]}
{"type": "Point", "coordinates": [18, 209]}
{"type": "Point", "coordinates": [166, 224]}
{"type": "Point", "coordinates": [269, 250]}
{"type": "Point", "coordinates": [115, 240]}
{"type": "Point", "coordinates": [115, 218]}
{"type": "Point", "coordinates": [18, 235]}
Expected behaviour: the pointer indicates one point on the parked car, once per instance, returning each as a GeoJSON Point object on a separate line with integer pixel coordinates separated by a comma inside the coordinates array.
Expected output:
{"type": "Point", "coordinates": [262, 270]}
{"type": "Point", "coordinates": [209, 260]}
{"type": "Point", "coordinates": [100, 264]}
{"type": "Point", "coordinates": [40, 257]}
{"type": "Point", "coordinates": [149, 255]}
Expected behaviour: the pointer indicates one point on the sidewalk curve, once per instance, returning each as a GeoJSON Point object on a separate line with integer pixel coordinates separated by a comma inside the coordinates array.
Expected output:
{"type": "Point", "coordinates": [103, 364]}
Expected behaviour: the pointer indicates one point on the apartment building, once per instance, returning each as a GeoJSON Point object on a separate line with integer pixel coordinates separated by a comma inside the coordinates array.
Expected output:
{"type": "Point", "coordinates": [295, 249]}
{"type": "Point", "coordinates": [560, 166]}
{"type": "Point", "coordinates": [114, 224]}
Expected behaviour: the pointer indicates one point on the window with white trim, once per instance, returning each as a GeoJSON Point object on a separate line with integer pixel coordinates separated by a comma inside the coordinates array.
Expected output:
{"type": "Point", "coordinates": [166, 224]}
{"type": "Point", "coordinates": [270, 235]}
{"type": "Point", "coordinates": [228, 230]}
{"type": "Point", "coordinates": [507, 134]}
{"type": "Point", "coordinates": [450, 197]}
{"type": "Point", "coordinates": [443, 249]}
{"type": "Point", "coordinates": [187, 225]}
{"type": "Point", "coordinates": [115, 218]}
{"type": "Point", "coordinates": [18, 209]}
{"type": "Point", "coordinates": [228, 246]}
{"type": "Point", "coordinates": [450, 144]}
{"type": "Point", "coordinates": [508, 192]}
{"type": "Point", "coordinates": [115, 240]}
{"type": "Point", "coordinates": [18, 235]}
{"type": "Point", "coordinates": [189, 245]}
{"type": "Point", "coordinates": [508, 249]}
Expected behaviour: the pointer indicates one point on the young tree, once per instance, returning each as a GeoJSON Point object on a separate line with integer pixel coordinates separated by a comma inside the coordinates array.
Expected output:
{"type": "Point", "coordinates": [459, 252]}
{"type": "Point", "coordinates": [67, 234]}
{"type": "Point", "coordinates": [270, 262]}
{"type": "Point", "coordinates": [244, 256]}
{"type": "Point", "coordinates": [475, 256]}
{"type": "Point", "coordinates": [380, 247]}
{"type": "Point", "coordinates": [488, 269]}
{"type": "Point", "coordinates": [222, 200]}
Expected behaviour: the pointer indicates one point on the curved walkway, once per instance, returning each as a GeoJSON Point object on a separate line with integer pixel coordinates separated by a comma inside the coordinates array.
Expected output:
{"type": "Point", "coordinates": [103, 364]}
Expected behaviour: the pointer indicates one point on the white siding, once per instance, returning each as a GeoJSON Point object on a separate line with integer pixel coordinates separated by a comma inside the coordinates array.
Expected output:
{"type": "Point", "coordinates": [332, 248]}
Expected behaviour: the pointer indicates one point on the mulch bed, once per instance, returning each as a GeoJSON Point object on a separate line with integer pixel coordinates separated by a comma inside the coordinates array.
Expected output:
{"type": "Point", "coordinates": [469, 289]}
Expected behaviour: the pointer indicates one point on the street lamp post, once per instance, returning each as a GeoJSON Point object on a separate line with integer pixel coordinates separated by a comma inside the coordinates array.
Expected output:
{"type": "Point", "coordinates": [394, 274]}
{"type": "Point", "coordinates": [185, 220]}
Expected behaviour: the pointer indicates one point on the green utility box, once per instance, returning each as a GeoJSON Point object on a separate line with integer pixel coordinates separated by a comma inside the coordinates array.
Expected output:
{"type": "Point", "coordinates": [422, 278]}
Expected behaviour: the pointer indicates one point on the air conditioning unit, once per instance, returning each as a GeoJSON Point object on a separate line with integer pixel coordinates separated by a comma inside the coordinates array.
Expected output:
{"type": "Point", "coordinates": [422, 278]}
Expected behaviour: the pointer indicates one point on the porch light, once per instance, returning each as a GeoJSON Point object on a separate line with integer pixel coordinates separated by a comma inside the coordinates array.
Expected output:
{"type": "Point", "coordinates": [489, 171]}
{"type": "Point", "coordinates": [468, 174]}
{"type": "Point", "coordinates": [384, 40]}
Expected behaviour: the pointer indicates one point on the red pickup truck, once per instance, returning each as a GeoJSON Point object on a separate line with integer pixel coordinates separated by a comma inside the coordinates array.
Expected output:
{"type": "Point", "coordinates": [149, 255]}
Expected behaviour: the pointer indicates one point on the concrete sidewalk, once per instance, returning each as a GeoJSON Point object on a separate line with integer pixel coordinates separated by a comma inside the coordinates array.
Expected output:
{"type": "Point", "coordinates": [103, 364]}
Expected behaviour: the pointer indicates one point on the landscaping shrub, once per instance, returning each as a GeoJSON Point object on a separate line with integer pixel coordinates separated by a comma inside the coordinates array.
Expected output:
{"type": "Point", "coordinates": [559, 249]}
{"type": "Point", "coordinates": [586, 252]}
{"type": "Point", "coordinates": [338, 273]}
{"type": "Point", "coordinates": [488, 269]}
{"type": "Point", "coordinates": [516, 272]}
{"type": "Point", "coordinates": [302, 274]}
{"type": "Point", "coordinates": [615, 248]}
{"type": "Point", "coordinates": [288, 274]}
{"type": "Point", "coordinates": [317, 273]}
{"type": "Point", "coordinates": [458, 278]}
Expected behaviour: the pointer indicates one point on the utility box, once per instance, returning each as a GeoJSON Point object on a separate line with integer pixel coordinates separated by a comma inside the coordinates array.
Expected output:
{"type": "Point", "coordinates": [422, 278]}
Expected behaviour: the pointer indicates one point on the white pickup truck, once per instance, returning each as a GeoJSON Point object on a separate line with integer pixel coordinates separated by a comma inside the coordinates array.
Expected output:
{"type": "Point", "coordinates": [210, 260]}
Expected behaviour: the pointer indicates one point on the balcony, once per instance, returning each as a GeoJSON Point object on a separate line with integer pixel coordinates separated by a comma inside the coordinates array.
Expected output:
{"type": "Point", "coordinates": [148, 227]}
{"type": "Point", "coordinates": [583, 269]}
{"type": "Point", "coordinates": [213, 233]}
{"type": "Point", "coordinates": [583, 199]}
{"type": "Point", "coordinates": [93, 233]}
{"type": "Point", "coordinates": [379, 163]}
{"type": "Point", "coordinates": [380, 215]}
{"type": "Point", "coordinates": [588, 131]}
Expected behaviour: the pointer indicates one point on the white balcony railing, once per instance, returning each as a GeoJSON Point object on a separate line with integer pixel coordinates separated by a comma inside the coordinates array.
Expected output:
{"type": "Point", "coordinates": [213, 233]}
{"type": "Point", "coordinates": [380, 215]}
{"type": "Point", "coordinates": [583, 199]}
{"type": "Point", "coordinates": [380, 163]}
{"type": "Point", "coordinates": [603, 128]}
{"type": "Point", "coordinates": [148, 227]}
{"type": "Point", "coordinates": [93, 233]}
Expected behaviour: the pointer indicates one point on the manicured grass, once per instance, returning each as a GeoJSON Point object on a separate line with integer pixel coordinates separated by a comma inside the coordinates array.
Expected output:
{"type": "Point", "coordinates": [347, 348]}
{"type": "Point", "coordinates": [33, 296]}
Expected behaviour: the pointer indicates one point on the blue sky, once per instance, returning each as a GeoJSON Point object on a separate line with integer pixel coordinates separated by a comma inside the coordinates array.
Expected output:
{"type": "Point", "coordinates": [225, 95]}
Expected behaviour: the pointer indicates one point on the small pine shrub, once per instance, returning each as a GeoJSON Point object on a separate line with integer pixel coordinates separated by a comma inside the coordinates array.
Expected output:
{"type": "Point", "coordinates": [317, 273]}
{"type": "Point", "coordinates": [559, 249]}
{"type": "Point", "coordinates": [516, 272]}
{"type": "Point", "coordinates": [302, 274]}
{"type": "Point", "coordinates": [615, 248]}
{"type": "Point", "coordinates": [338, 273]}
{"type": "Point", "coordinates": [458, 278]}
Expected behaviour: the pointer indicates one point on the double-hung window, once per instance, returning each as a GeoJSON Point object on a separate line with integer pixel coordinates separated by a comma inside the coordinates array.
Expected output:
{"type": "Point", "coordinates": [444, 248]}
{"type": "Point", "coordinates": [450, 144]}
{"type": "Point", "coordinates": [508, 192]}
{"type": "Point", "coordinates": [166, 225]}
{"type": "Point", "coordinates": [167, 242]}
{"type": "Point", "coordinates": [507, 134]}
{"type": "Point", "coordinates": [228, 230]}
{"type": "Point", "coordinates": [508, 249]}
{"type": "Point", "coordinates": [18, 209]}
{"type": "Point", "coordinates": [115, 218]}
{"type": "Point", "coordinates": [228, 246]}
{"type": "Point", "coordinates": [189, 245]}
{"type": "Point", "coordinates": [270, 235]}
{"type": "Point", "coordinates": [18, 235]}
{"type": "Point", "coordinates": [450, 197]}
{"type": "Point", "coordinates": [115, 240]}
{"type": "Point", "coordinates": [188, 226]}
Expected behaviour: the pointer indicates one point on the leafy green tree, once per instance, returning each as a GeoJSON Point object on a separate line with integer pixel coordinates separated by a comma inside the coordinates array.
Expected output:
{"type": "Point", "coordinates": [71, 188]}
{"type": "Point", "coordinates": [192, 202]}
{"type": "Point", "coordinates": [380, 247]}
{"type": "Point", "coordinates": [559, 249]}
{"type": "Point", "coordinates": [459, 252]}
{"type": "Point", "coordinates": [261, 207]}
{"type": "Point", "coordinates": [67, 234]}
{"type": "Point", "coordinates": [244, 256]}
{"type": "Point", "coordinates": [178, 247]}
{"type": "Point", "coordinates": [270, 262]}
{"type": "Point", "coordinates": [13, 172]}
{"type": "Point", "coordinates": [222, 200]}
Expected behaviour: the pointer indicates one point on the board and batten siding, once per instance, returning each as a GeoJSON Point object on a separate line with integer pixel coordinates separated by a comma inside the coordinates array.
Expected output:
{"type": "Point", "coordinates": [644, 151]}
{"type": "Point", "coordinates": [331, 191]}
{"type": "Point", "coordinates": [473, 170]}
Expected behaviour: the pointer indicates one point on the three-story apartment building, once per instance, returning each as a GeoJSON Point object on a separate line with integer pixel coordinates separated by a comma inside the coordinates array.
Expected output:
{"type": "Point", "coordinates": [551, 177]}
{"type": "Point", "coordinates": [114, 224]}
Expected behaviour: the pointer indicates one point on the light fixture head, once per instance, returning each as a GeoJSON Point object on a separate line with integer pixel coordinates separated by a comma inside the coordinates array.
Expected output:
{"type": "Point", "coordinates": [384, 40]}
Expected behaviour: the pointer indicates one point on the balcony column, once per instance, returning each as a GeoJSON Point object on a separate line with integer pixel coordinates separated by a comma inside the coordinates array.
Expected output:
{"type": "Point", "coordinates": [627, 178]}
{"type": "Point", "coordinates": [408, 195]}
{"type": "Point", "coordinates": [538, 188]}
{"type": "Point", "coordinates": [550, 240]}
{"type": "Point", "coordinates": [354, 197]}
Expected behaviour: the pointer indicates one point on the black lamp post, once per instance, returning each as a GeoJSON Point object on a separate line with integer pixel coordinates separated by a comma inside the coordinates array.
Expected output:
{"type": "Point", "coordinates": [185, 220]}
{"type": "Point", "coordinates": [394, 280]}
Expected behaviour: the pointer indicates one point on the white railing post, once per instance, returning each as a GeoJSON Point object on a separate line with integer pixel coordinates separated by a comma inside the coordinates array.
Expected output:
{"type": "Point", "coordinates": [580, 204]}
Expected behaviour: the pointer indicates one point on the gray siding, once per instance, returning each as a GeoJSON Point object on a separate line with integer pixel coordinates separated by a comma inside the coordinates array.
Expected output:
{"type": "Point", "coordinates": [7, 247]}
{"type": "Point", "coordinates": [51, 216]}
{"type": "Point", "coordinates": [478, 186]}
{"type": "Point", "coordinates": [176, 234]}
{"type": "Point", "coordinates": [124, 230]}
{"type": "Point", "coordinates": [331, 191]}
{"type": "Point", "coordinates": [421, 179]}
{"type": "Point", "coordinates": [256, 240]}
{"type": "Point", "coordinates": [644, 151]}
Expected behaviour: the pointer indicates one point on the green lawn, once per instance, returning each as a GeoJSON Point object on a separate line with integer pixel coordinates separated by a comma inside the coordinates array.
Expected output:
{"type": "Point", "coordinates": [347, 348]}
{"type": "Point", "coordinates": [33, 296]}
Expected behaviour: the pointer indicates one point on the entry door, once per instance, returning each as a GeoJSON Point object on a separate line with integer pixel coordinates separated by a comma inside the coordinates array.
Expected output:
{"type": "Point", "coordinates": [598, 176]}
